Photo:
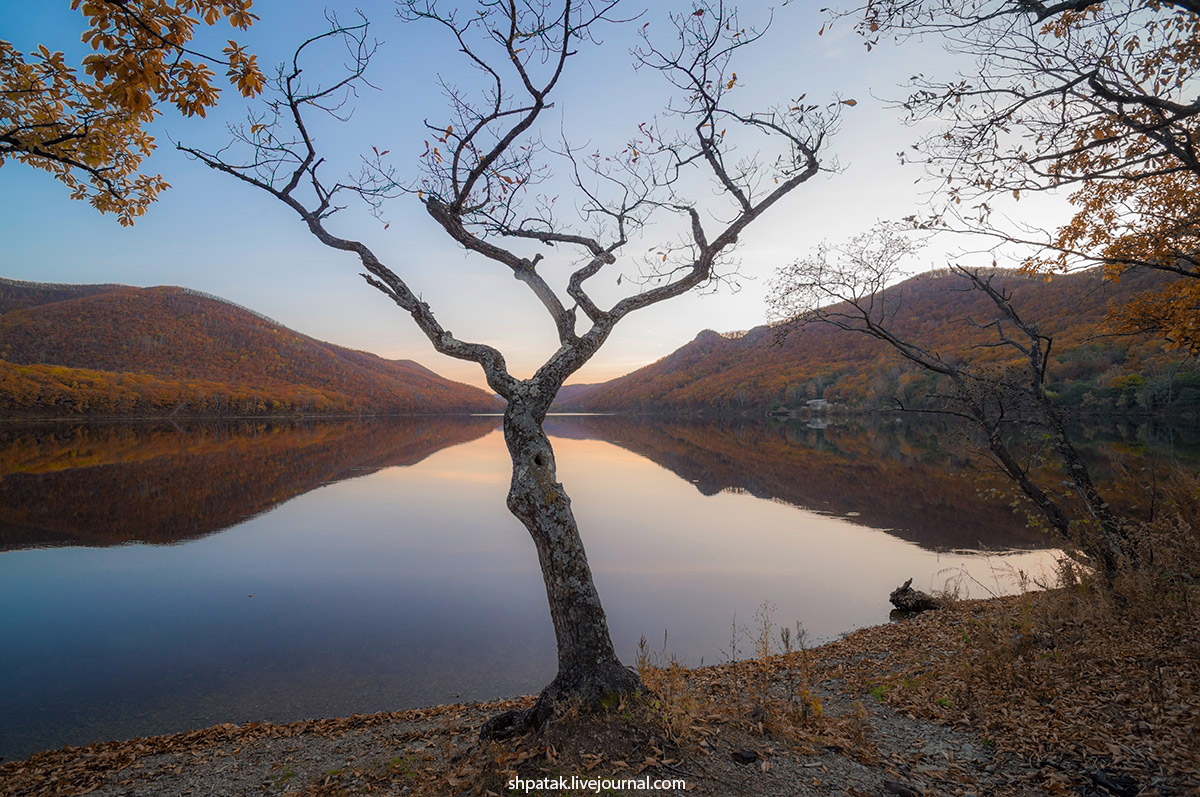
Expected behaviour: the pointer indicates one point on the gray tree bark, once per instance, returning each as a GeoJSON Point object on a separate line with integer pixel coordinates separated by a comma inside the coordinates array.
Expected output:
{"type": "Point", "coordinates": [588, 667]}
{"type": "Point", "coordinates": [589, 671]}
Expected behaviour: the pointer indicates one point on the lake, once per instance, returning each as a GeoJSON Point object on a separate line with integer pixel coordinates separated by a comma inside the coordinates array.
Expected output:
{"type": "Point", "coordinates": [160, 576]}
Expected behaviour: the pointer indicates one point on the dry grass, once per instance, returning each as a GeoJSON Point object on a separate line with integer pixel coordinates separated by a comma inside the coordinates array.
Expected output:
{"type": "Point", "coordinates": [1091, 681]}
{"type": "Point", "coordinates": [770, 699]}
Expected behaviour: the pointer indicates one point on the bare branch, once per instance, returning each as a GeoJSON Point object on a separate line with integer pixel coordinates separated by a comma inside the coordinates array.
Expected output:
{"type": "Point", "coordinates": [270, 150]}
{"type": "Point", "coordinates": [851, 288]}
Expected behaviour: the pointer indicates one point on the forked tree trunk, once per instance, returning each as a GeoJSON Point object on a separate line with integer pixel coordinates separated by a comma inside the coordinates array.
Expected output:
{"type": "Point", "coordinates": [588, 668]}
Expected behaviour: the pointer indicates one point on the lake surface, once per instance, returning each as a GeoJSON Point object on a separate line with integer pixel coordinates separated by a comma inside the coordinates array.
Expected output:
{"type": "Point", "coordinates": [160, 577]}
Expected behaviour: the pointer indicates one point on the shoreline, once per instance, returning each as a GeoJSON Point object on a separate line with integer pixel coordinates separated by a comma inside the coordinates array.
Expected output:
{"type": "Point", "coordinates": [904, 705]}
{"type": "Point", "coordinates": [50, 419]}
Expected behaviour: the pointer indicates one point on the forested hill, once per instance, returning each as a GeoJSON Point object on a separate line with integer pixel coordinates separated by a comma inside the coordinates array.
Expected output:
{"type": "Point", "coordinates": [755, 371]}
{"type": "Point", "coordinates": [114, 349]}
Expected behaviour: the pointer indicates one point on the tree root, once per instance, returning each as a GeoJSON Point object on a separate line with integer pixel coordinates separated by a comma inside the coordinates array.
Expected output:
{"type": "Point", "coordinates": [589, 693]}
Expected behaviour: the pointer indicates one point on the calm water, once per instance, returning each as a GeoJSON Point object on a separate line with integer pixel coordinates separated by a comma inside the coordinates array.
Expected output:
{"type": "Point", "coordinates": [157, 578]}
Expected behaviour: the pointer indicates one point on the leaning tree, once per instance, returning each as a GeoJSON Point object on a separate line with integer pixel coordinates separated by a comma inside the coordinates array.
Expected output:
{"type": "Point", "coordinates": [490, 176]}
{"type": "Point", "coordinates": [852, 288]}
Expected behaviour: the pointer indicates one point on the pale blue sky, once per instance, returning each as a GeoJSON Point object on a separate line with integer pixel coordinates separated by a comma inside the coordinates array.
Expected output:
{"type": "Point", "coordinates": [216, 235]}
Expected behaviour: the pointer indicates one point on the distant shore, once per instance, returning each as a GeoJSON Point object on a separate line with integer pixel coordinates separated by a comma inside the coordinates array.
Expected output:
{"type": "Point", "coordinates": [239, 418]}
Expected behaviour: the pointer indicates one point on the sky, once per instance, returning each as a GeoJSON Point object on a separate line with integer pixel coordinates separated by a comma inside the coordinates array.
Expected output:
{"type": "Point", "coordinates": [214, 234]}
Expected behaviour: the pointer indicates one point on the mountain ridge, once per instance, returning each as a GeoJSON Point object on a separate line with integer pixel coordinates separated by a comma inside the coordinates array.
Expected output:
{"type": "Point", "coordinates": [758, 370]}
{"type": "Point", "coordinates": [119, 350]}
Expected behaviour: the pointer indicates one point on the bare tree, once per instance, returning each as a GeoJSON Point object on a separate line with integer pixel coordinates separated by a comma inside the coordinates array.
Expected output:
{"type": "Point", "coordinates": [481, 183]}
{"type": "Point", "coordinates": [851, 288]}
{"type": "Point", "coordinates": [1094, 98]}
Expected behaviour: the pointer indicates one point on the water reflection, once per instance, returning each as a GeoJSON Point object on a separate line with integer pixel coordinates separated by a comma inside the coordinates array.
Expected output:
{"type": "Point", "coordinates": [70, 484]}
{"type": "Point", "coordinates": [371, 565]}
{"type": "Point", "coordinates": [896, 477]}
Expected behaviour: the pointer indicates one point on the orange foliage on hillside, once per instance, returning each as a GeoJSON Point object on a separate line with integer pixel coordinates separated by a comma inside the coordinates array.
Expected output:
{"type": "Point", "coordinates": [116, 350]}
{"type": "Point", "coordinates": [52, 390]}
{"type": "Point", "coordinates": [756, 371]}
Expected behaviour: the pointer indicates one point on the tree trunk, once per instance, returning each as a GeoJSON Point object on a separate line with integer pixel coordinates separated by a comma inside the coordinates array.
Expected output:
{"type": "Point", "coordinates": [1104, 544]}
{"type": "Point", "coordinates": [589, 671]}
{"type": "Point", "coordinates": [1054, 515]}
{"type": "Point", "coordinates": [1109, 541]}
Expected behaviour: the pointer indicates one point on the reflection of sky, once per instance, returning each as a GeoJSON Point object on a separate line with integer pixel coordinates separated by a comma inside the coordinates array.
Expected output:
{"type": "Point", "coordinates": [699, 560]}
{"type": "Point", "coordinates": [413, 586]}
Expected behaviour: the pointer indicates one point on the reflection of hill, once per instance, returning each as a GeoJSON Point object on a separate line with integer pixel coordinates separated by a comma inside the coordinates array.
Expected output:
{"type": "Point", "coordinates": [106, 485]}
{"type": "Point", "coordinates": [891, 478]}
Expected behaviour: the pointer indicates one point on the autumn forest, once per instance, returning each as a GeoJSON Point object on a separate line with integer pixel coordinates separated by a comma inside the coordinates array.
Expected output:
{"type": "Point", "coordinates": [105, 350]}
{"type": "Point", "coordinates": [108, 350]}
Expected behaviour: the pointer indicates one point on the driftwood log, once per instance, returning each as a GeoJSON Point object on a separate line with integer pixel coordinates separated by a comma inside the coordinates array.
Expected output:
{"type": "Point", "coordinates": [907, 599]}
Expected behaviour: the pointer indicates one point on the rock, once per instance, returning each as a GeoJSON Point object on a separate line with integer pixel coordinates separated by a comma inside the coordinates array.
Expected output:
{"type": "Point", "coordinates": [907, 599]}
{"type": "Point", "coordinates": [901, 789]}
{"type": "Point", "coordinates": [745, 756]}
{"type": "Point", "coordinates": [1115, 783]}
